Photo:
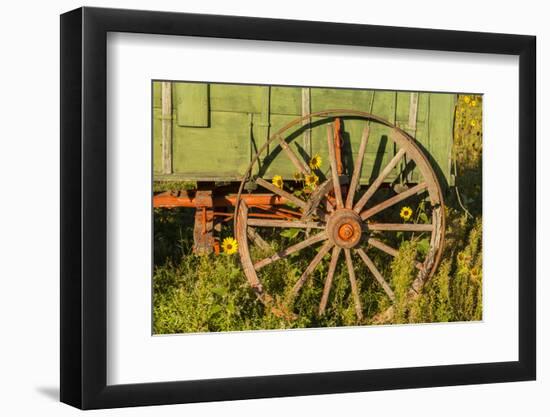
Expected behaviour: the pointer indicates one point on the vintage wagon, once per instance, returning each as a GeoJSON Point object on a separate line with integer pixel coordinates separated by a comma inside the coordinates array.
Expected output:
{"type": "Point", "coordinates": [340, 165]}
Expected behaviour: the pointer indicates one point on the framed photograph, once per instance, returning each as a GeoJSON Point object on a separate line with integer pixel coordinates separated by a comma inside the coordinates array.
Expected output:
{"type": "Point", "coordinates": [256, 208]}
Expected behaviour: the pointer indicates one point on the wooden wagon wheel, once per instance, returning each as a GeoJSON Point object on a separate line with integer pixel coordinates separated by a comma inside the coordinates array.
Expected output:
{"type": "Point", "coordinates": [338, 215]}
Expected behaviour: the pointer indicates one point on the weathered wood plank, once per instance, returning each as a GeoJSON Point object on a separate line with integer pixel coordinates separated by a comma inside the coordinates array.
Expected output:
{"type": "Point", "coordinates": [306, 109]}
{"type": "Point", "coordinates": [192, 104]}
{"type": "Point", "coordinates": [413, 112]}
{"type": "Point", "coordinates": [166, 129]}
{"type": "Point", "coordinates": [219, 149]}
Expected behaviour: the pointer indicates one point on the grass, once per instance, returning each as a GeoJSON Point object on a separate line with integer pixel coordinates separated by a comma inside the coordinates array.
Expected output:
{"type": "Point", "coordinates": [210, 293]}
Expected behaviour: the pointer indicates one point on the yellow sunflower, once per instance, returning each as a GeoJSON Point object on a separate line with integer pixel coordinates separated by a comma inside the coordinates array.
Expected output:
{"type": "Point", "coordinates": [277, 181]}
{"type": "Point", "coordinates": [466, 99]}
{"type": "Point", "coordinates": [311, 180]}
{"type": "Point", "coordinates": [298, 176]}
{"type": "Point", "coordinates": [406, 213]}
{"type": "Point", "coordinates": [229, 246]}
{"type": "Point", "coordinates": [473, 123]}
{"type": "Point", "coordinates": [473, 103]}
{"type": "Point", "coordinates": [315, 162]}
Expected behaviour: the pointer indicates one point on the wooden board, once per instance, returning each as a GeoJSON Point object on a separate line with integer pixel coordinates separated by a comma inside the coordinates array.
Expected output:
{"type": "Point", "coordinates": [224, 125]}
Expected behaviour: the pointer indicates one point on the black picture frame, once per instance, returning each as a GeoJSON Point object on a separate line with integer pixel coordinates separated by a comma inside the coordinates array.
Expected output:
{"type": "Point", "coordinates": [84, 207]}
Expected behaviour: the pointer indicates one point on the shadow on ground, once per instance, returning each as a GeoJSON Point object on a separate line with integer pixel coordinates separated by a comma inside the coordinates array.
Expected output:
{"type": "Point", "coordinates": [50, 392]}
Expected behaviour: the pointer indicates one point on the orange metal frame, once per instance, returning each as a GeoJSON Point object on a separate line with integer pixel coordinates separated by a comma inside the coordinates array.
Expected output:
{"type": "Point", "coordinates": [188, 199]}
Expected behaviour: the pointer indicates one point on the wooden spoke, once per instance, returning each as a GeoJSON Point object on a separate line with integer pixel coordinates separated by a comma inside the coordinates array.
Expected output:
{"type": "Point", "coordinates": [320, 197]}
{"type": "Point", "coordinates": [291, 249]}
{"type": "Point", "coordinates": [383, 247]}
{"type": "Point", "coordinates": [354, 288]}
{"type": "Point", "coordinates": [377, 275]}
{"type": "Point", "coordinates": [257, 239]}
{"type": "Point", "coordinates": [394, 200]}
{"type": "Point", "coordinates": [334, 168]}
{"type": "Point", "coordinates": [290, 197]}
{"type": "Point", "coordinates": [278, 211]}
{"type": "Point", "coordinates": [296, 161]}
{"type": "Point", "coordinates": [378, 181]}
{"type": "Point", "coordinates": [388, 249]}
{"type": "Point", "coordinates": [330, 207]}
{"type": "Point", "coordinates": [285, 223]}
{"type": "Point", "coordinates": [357, 168]}
{"type": "Point", "coordinates": [400, 227]}
{"type": "Point", "coordinates": [315, 199]}
{"type": "Point", "coordinates": [328, 281]}
{"type": "Point", "coordinates": [310, 268]}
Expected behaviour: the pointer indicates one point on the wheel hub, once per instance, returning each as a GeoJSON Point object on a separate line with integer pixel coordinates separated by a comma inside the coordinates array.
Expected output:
{"type": "Point", "coordinates": [344, 228]}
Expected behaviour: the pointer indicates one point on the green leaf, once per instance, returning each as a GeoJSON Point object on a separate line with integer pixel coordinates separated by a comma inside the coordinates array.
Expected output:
{"type": "Point", "coordinates": [290, 233]}
{"type": "Point", "coordinates": [423, 246]}
{"type": "Point", "coordinates": [221, 291]}
{"type": "Point", "coordinates": [215, 309]}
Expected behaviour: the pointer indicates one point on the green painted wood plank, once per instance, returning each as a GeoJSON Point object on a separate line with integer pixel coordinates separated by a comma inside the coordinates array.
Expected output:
{"type": "Point", "coordinates": [402, 109]}
{"type": "Point", "coordinates": [441, 131]}
{"type": "Point", "coordinates": [286, 101]}
{"type": "Point", "coordinates": [236, 98]}
{"type": "Point", "coordinates": [157, 140]}
{"type": "Point", "coordinates": [240, 117]}
{"type": "Point", "coordinates": [221, 149]}
{"type": "Point", "coordinates": [192, 104]}
{"type": "Point", "coordinates": [156, 94]}
{"type": "Point", "coordinates": [330, 98]}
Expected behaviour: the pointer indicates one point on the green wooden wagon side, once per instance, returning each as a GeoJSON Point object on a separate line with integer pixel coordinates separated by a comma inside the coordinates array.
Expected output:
{"type": "Point", "coordinates": [330, 162]}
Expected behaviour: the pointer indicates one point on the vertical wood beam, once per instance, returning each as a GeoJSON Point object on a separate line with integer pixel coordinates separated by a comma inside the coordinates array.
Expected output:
{"type": "Point", "coordinates": [166, 134]}
{"type": "Point", "coordinates": [306, 109]}
{"type": "Point", "coordinates": [264, 126]}
{"type": "Point", "coordinates": [413, 111]}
